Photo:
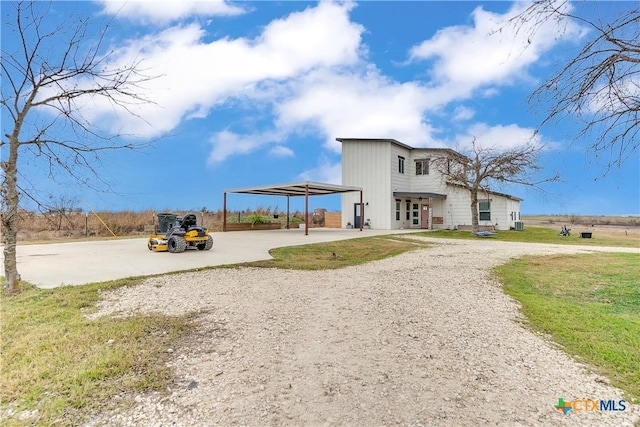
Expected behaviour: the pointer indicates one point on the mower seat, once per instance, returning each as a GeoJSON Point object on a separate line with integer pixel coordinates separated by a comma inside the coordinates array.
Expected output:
{"type": "Point", "coordinates": [189, 221]}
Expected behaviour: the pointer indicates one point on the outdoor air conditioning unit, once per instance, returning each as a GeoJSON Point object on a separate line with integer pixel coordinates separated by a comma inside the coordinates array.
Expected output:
{"type": "Point", "coordinates": [519, 225]}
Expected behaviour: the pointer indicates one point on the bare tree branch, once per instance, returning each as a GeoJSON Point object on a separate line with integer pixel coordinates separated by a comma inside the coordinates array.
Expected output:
{"type": "Point", "coordinates": [480, 168]}
{"type": "Point", "coordinates": [51, 71]}
{"type": "Point", "coordinates": [600, 86]}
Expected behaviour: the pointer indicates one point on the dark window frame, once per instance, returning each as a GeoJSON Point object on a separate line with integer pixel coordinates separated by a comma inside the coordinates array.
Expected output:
{"type": "Point", "coordinates": [422, 166]}
{"type": "Point", "coordinates": [484, 212]}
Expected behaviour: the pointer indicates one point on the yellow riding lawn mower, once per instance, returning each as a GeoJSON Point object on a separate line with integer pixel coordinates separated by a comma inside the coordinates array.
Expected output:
{"type": "Point", "coordinates": [175, 234]}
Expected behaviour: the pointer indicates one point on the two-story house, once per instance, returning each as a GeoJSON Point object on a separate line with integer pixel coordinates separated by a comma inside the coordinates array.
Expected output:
{"type": "Point", "coordinates": [404, 187]}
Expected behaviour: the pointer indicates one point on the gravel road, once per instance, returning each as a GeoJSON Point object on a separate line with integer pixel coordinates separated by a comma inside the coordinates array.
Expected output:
{"type": "Point", "coordinates": [426, 338]}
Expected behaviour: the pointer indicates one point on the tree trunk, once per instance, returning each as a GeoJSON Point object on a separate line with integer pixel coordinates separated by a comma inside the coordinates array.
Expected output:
{"type": "Point", "coordinates": [10, 217]}
{"type": "Point", "coordinates": [474, 209]}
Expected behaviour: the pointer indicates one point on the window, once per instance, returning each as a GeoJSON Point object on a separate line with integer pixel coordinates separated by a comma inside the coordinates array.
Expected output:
{"type": "Point", "coordinates": [397, 210]}
{"type": "Point", "coordinates": [484, 211]}
{"type": "Point", "coordinates": [400, 164]}
{"type": "Point", "coordinates": [408, 209]}
{"type": "Point", "coordinates": [422, 167]}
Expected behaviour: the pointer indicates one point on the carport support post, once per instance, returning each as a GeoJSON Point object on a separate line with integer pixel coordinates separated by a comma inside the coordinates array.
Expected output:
{"type": "Point", "coordinates": [288, 197]}
{"type": "Point", "coordinates": [306, 209]}
{"type": "Point", "coordinates": [224, 212]}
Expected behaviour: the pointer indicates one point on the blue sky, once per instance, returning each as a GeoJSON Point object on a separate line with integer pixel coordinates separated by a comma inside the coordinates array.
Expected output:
{"type": "Point", "coordinates": [255, 93]}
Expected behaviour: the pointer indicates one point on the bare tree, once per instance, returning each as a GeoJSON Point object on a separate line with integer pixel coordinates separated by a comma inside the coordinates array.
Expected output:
{"type": "Point", "coordinates": [61, 211]}
{"type": "Point", "coordinates": [481, 168]}
{"type": "Point", "coordinates": [601, 84]}
{"type": "Point", "coordinates": [50, 73]}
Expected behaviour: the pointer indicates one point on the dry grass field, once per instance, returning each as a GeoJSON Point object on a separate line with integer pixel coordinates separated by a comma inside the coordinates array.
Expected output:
{"type": "Point", "coordinates": [57, 226]}
{"type": "Point", "coordinates": [613, 226]}
{"type": "Point", "coordinates": [43, 227]}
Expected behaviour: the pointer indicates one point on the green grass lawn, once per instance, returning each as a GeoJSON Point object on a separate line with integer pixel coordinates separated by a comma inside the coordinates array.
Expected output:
{"type": "Point", "coordinates": [542, 235]}
{"type": "Point", "coordinates": [348, 252]}
{"type": "Point", "coordinates": [589, 304]}
{"type": "Point", "coordinates": [58, 365]}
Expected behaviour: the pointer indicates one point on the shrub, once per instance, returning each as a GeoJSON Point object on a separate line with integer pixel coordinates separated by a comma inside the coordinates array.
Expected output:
{"type": "Point", "coordinates": [258, 219]}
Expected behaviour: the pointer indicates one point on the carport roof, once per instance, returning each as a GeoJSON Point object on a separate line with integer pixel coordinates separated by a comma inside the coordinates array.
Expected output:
{"type": "Point", "coordinates": [296, 189]}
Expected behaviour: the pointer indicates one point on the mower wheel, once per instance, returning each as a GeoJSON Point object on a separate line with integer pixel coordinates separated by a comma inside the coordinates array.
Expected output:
{"type": "Point", "coordinates": [207, 245]}
{"type": "Point", "coordinates": [176, 244]}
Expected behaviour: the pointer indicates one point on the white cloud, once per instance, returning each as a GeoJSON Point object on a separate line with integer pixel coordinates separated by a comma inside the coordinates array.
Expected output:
{"type": "Point", "coordinates": [195, 76]}
{"type": "Point", "coordinates": [490, 52]}
{"type": "Point", "coordinates": [357, 105]}
{"type": "Point", "coordinates": [462, 113]}
{"type": "Point", "coordinates": [227, 143]}
{"type": "Point", "coordinates": [325, 171]}
{"type": "Point", "coordinates": [164, 11]}
{"type": "Point", "coordinates": [309, 68]}
{"type": "Point", "coordinates": [498, 137]}
{"type": "Point", "coordinates": [281, 151]}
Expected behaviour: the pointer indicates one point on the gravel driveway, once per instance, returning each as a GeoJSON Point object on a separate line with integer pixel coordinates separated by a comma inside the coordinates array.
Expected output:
{"type": "Point", "coordinates": [424, 338]}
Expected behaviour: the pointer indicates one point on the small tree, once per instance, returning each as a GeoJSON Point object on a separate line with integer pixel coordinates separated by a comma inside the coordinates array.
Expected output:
{"type": "Point", "coordinates": [46, 79]}
{"type": "Point", "coordinates": [601, 84]}
{"type": "Point", "coordinates": [61, 209]}
{"type": "Point", "coordinates": [480, 168]}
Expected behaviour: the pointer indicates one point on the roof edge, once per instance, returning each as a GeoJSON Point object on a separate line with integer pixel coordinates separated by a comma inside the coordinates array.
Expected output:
{"type": "Point", "coordinates": [495, 193]}
{"type": "Point", "coordinates": [288, 188]}
{"type": "Point", "coordinates": [391, 140]}
{"type": "Point", "coordinates": [444, 150]}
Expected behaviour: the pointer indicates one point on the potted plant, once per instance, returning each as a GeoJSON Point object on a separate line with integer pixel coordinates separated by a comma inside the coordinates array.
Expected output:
{"type": "Point", "coordinates": [367, 223]}
{"type": "Point", "coordinates": [349, 225]}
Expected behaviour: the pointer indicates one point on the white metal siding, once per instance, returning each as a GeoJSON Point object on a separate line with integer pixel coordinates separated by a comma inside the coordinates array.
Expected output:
{"type": "Point", "coordinates": [366, 165]}
{"type": "Point", "coordinates": [458, 207]}
{"type": "Point", "coordinates": [433, 182]}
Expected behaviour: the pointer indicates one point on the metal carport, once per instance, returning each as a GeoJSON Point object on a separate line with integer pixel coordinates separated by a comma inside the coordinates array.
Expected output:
{"type": "Point", "coordinates": [304, 188]}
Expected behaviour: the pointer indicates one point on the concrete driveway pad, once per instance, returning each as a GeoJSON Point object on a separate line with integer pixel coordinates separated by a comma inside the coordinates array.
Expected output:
{"type": "Point", "coordinates": [76, 263]}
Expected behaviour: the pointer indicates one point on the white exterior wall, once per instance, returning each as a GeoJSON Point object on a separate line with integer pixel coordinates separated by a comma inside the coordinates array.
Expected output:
{"type": "Point", "coordinates": [513, 212]}
{"type": "Point", "coordinates": [434, 182]}
{"type": "Point", "coordinates": [366, 165]}
{"type": "Point", "coordinates": [399, 182]}
{"type": "Point", "coordinates": [500, 212]}
{"type": "Point", "coordinates": [503, 211]}
{"type": "Point", "coordinates": [458, 207]}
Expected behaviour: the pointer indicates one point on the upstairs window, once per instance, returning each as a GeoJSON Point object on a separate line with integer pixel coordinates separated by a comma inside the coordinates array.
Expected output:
{"type": "Point", "coordinates": [422, 167]}
{"type": "Point", "coordinates": [484, 211]}
{"type": "Point", "coordinates": [401, 164]}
